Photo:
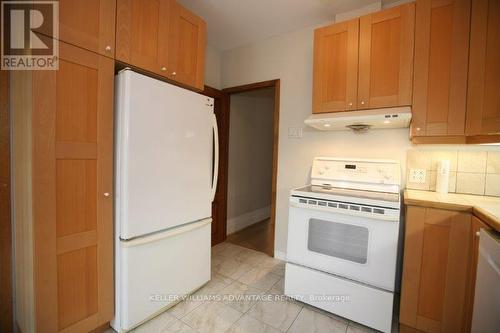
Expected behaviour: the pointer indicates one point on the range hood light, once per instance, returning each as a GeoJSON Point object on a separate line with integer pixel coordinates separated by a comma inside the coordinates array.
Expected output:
{"type": "Point", "coordinates": [362, 120]}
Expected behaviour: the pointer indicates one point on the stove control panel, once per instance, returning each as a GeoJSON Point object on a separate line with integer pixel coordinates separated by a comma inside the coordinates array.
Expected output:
{"type": "Point", "coordinates": [327, 170]}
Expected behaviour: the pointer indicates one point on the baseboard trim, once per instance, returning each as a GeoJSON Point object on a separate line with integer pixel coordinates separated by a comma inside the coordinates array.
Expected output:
{"type": "Point", "coordinates": [280, 255]}
{"type": "Point", "coordinates": [240, 222]}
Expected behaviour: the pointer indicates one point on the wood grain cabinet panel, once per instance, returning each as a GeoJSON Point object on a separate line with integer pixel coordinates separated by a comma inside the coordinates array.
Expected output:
{"type": "Point", "coordinates": [435, 269]}
{"type": "Point", "coordinates": [187, 47]}
{"type": "Point", "coordinates": [162, 37]}
{"type": "Point", "coordinates": [386, 41]}
{"type": "Point", "coordinates": [70, 112]}
{"type": "Point", "coordinates": [476, 226]}
{"type": "Point", "coordinates": [89, 24]}
{"type": "Point", "coordinates": [483, 98]}
{"type": "Point", "coordinates": [441, 62]}
{"type": "Point", "coordinates": [142, 34]}
{"type": "Point", "coordinates": [335, 84]}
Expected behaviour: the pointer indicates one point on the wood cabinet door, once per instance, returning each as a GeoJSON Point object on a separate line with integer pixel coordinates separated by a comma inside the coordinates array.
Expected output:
{"type": "Point", "coordinates": [476, 226]}
{"type": "Point", "coordinates": [386, 57]}
{"type": "Point", "coordinates": [435, 269]}
{"type": "Point", "coordinates": [72, 192]}
{"type": "Point", "coordinates": [142, 34]}
{"type": "Point", "coordinates": [89, 24]}
{"type": "Point", "coordinates": [441, 61]}
{"type": "Point", "coordinates": [483, 102]}
{"type": "Point", "coordinates": [187, 46]}
{"type": "Point", "coordinates": [335, 84]}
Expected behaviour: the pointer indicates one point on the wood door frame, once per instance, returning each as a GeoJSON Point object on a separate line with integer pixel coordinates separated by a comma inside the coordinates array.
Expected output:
{"type": "Point", "coordinates": [276, 115]}
{"type": "Point", "coordinates": [219, 206]}
{"type": "Point", "coordinates": [6, 310]}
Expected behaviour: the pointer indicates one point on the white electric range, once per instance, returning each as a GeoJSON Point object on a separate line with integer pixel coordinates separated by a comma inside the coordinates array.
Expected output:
{"type": "Point", "coordinates": [343, 236]}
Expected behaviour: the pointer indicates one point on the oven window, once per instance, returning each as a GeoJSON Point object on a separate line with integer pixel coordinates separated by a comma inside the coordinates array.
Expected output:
{"type": "Point", "coordinates": [344, 241]}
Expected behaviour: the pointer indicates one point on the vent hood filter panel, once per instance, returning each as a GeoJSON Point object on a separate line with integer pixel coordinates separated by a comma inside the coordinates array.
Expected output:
{"type": "Point", "coordinates": [364, 119]}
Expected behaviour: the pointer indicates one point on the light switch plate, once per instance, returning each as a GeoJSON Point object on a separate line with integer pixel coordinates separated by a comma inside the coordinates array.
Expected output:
{"type": "Point", "coordinates": [294, 132]}
{"type": "Point", "coordinates": [417, 176]}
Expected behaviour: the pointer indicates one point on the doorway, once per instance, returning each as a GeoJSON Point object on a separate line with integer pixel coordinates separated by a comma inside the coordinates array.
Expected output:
{"type": "Point", "coordinates": [252, 165]}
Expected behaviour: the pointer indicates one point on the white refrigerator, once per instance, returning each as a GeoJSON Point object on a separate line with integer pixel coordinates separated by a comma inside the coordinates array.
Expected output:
{"type": "Point", "coordinates": [166, 161]}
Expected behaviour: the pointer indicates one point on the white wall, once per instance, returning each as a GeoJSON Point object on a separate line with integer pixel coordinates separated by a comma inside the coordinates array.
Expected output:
{"type": "Point", "coordinates": [213, 67]}
{"type": "Point", "coordinates": [250, 158]}
{"type": "Point", "coordinates": [288, 57]}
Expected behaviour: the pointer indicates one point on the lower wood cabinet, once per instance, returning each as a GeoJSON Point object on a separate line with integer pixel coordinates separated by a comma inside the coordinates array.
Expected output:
{"type": "Point", "coordinates": [476, 226]}
{"type": "Point", "coordinates": [435, 269]}
{"type": "Point", "coordinates": [63, 204]}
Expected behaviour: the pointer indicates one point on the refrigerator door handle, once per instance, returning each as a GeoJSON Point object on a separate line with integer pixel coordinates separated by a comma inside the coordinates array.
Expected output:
{"type": "Point", "coordinates": [165, 234]}
{"type": "Point", "coordinates": [215, 176]}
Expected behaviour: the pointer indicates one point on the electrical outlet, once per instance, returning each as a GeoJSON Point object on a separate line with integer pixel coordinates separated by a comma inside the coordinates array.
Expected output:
{"type": "Point", "coordinates": [417, 176]}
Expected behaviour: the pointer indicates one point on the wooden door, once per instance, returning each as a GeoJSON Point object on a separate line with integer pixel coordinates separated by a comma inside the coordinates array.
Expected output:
{"type": "Point", "coordinates": [89, 24]}
{"type": "Point", "coordinates": [335, 84]}
{"type": "Point", "coordinates": [441, 60]}
{"type": "Point", "coordinates": [72, 192]}
{"type": "Point", "coordinates": [435, 269]}
{"type": "Point", "coordinates": [142, 34]}
{"type": "Point", "coordinates": [483, 102]}
{"type": "Point", "coordinates": [476, 226]}
{"type": "Point", "coordinates": [386, 57]}
{"type": "Point", "coordinates": [187, 46]}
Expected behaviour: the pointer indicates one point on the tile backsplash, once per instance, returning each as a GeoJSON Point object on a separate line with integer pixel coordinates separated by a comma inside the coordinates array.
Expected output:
{"type": "Point", "coordinates": [471, 172]}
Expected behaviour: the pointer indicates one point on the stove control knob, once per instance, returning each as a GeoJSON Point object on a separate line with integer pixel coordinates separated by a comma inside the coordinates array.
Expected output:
{"type": "Point", "coordinates": [321, 171]}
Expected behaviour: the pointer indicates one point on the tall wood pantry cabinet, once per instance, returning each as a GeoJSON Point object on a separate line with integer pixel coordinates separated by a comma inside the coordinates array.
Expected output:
{"type": "Point", "coordinates": [87, 24]}
{"type": "Point", "coordinates": [62, 125]}
{"type": "Point", "coordinates": [366, 62]}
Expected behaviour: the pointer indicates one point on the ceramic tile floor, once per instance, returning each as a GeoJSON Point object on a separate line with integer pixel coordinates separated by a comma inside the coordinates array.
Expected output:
{"type": "Point", "coordinates": [238, 271]}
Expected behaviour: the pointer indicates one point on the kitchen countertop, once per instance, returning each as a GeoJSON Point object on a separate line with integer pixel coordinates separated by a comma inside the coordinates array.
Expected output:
{"type": "Point", "coordinates": [485, 208]}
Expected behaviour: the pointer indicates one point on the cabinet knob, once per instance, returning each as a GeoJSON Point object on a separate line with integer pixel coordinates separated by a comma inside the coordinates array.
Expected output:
{"type": "Point", "coordinates": [362, 102]}
{"type": "Point", "coordinates": [477, 233]}
{"type": "Point", "coordinates": [108, 48]}
{"type": "Point", "coordinates": [350, 104]}
{"type": "Point", "coordinates": [164, 68]}
{"type": "Point", "coordinates": [107, 194]}
{"type": "Point", "coordinates": [418, 129]}
{"type": "Point", "coordinates": [174, 73]}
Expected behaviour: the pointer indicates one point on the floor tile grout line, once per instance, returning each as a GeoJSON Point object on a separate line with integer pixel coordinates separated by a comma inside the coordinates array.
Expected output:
{"type": "Point", "coordinates": [295, 319]}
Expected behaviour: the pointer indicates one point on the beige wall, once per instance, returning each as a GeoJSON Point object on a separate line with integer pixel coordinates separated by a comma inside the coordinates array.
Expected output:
{"type": "Point", "coordinates": [288, 57]}
{"type": "Point", "coordinates": [213, 67]}
{"type": "Point", "coordinates": [250, 158]}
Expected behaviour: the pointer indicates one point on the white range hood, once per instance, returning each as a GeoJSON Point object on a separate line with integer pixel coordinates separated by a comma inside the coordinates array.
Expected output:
{"type": "Point", "coordinates": [361, 120]}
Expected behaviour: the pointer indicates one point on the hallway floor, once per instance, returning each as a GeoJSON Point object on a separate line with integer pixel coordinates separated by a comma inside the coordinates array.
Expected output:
{"type": "Point", "coordinates": [246, 295]}
{"type": "Point", "coordinates": [258, 237]}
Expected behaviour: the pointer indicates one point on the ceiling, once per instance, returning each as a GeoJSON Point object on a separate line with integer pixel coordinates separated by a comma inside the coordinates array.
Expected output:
{"type": "Point", "coordinates": [232, 23]}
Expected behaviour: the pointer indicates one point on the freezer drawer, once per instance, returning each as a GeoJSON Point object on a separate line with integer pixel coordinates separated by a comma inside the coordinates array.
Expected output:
{"type": "Point", "coordinates": [154, 269]}
{"type": "Point", "coordinates": [360, 303]}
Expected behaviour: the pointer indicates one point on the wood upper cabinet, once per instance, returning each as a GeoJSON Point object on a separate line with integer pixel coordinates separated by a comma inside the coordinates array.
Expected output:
{"type": "Point", "coordinates": [89, 24]}
{"type": "Point", "coordinates": [143, 33]}
{"type": "Point", "coordinates": [187, 47]}
{"type": "Point", "coordinates": [435, 269]}
{"type": "Point", "coordinates": [386, 41]}
{"type": "Point", "coordinates": [162, 37]}
{"type": "Point", "coordinates": [476, 226]}
{"type": "Point", "coordinates": [441, 61]}
{"type": "Point", "coordinates": [335, 85]}
{"type": "Point", "coordinates": [65, 194]}
{"type": "Point", "coordinates": [483, 102]}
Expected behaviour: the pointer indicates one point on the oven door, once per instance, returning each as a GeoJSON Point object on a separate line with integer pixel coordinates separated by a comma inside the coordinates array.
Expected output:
{"type": "Point", "coordinates": [354, 247]}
